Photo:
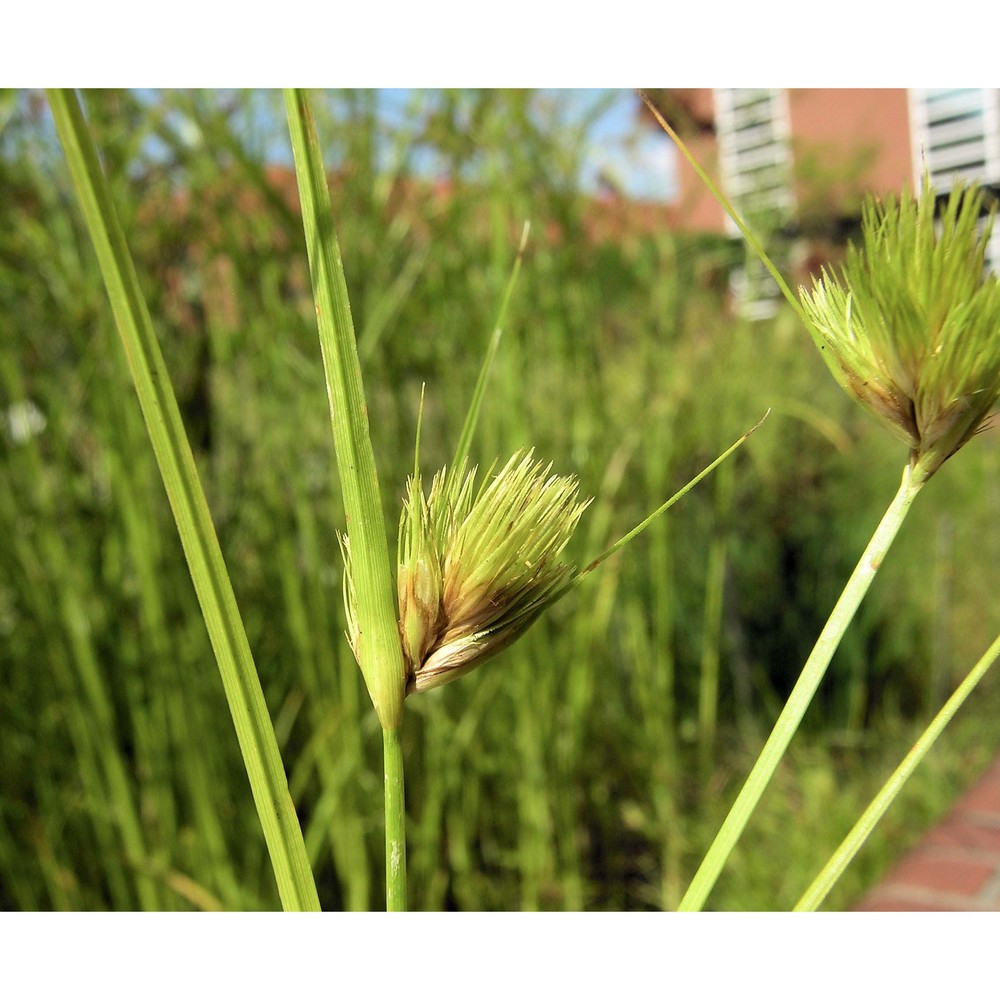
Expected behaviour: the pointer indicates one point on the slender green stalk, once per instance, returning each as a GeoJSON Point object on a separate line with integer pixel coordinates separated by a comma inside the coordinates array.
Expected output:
{"type": "Point", "coordinates": [377, 644]}
{"type": "Point", "coordinates": [381, 658]}
{"type": "Point", "coordinates": [191, 513]}
{"type": "Point", "coordinates": [802, 693]}
{"type": "Point", "coordinates": [853, 842]}
{"type": "Point", "coordinates": [395, 823]}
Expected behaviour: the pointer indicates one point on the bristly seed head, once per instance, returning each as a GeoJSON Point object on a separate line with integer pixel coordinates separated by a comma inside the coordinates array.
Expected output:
{"type": "Point", "coordinates": [477, 568]}
{"type": "Point", "coordinates": [913, 325]}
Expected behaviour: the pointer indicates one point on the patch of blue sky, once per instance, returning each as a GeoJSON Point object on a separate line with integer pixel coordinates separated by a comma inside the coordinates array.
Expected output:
{"type": "Point", "coordinates": [617, 152]}
{"type": "Point", "coordinates": [622, 153]}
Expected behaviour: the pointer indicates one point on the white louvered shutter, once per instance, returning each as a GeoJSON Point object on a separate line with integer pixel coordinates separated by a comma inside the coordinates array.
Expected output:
{"type": "Point", "coordinates": [755, 160]}
{"type": "Point", "coordinates": [956, 135]}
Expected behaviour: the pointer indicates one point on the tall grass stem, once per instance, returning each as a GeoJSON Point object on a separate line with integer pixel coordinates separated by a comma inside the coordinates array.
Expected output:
{"type": "Point", "coordinates": [798, 701]}
{"type": "Point", "coordinates": [395, 823]}
{"type": "Point", "coordinates": [254, 730]}
{"type": "Point", "coordinates": [852, 843]}
{"type": "Point", "coordinates": [378, 648]}
{"type": "Point", "coordinates": [381, 657]}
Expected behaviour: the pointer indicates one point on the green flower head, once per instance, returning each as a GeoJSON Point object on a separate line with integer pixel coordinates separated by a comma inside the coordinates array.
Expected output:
{"type": "Point", "coordinates": [477, 567]}
{"type": "Point", "coordinates": [911, 326]}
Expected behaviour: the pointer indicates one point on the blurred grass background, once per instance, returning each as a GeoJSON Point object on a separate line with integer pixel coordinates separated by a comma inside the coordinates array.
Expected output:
{"type": "Point", "coordinates": [588, 767]}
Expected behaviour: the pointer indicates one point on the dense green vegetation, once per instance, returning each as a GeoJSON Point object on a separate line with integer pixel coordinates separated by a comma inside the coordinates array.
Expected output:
{"type": "Point", "coordinates": [589, 766]}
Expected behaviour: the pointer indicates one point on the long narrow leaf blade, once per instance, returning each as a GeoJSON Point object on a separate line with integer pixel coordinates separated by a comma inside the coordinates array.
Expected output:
{"type": "Point", "coordinates": [854, 841]}
{"type": "Point", "coordinates": [257, 741]}
{"type": "Point", "coordinates": [727, 206]}
{"type": "Point", "coordinates": [472, 417]}
{"type": "Point", "coordinates": [647, 521]}
{"type": "Point", "coordinates": [381, 656]}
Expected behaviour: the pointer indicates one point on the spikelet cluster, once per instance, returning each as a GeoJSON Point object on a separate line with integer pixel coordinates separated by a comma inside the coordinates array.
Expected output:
{"type": "Point", "coordinates": [476, 567]}
{"type": "Point", "coordinates": [911, 325]}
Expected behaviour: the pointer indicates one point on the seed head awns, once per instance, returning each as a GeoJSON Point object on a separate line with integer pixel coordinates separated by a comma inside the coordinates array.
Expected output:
{"type": "Point", "coordinates": [912, 322]}
{"type": "Point", "coordinates": [477, 567]}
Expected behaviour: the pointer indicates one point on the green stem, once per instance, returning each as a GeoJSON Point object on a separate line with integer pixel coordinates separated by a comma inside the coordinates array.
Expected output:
{"type": "Point", "coordinates": [802, 693]}
{"type": "Point", "coordinates": [380, 655]}
{"type": "Point", "coordinates": [852, 843]}
{"type": "Point", "coordinates": [395, 823]}
{"type": "Point", "coordinates": [258, 744]}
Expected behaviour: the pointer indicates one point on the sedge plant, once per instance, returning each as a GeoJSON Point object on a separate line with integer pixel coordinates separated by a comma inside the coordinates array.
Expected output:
{"type": "Point", "coordinates": [462, 591]}
{"type": "Point", "coordinates": [910, 328]}
{"type": "Point", "coordinates": [476, 567]}
{"type": "Point", "coordinates": [476, 564]}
